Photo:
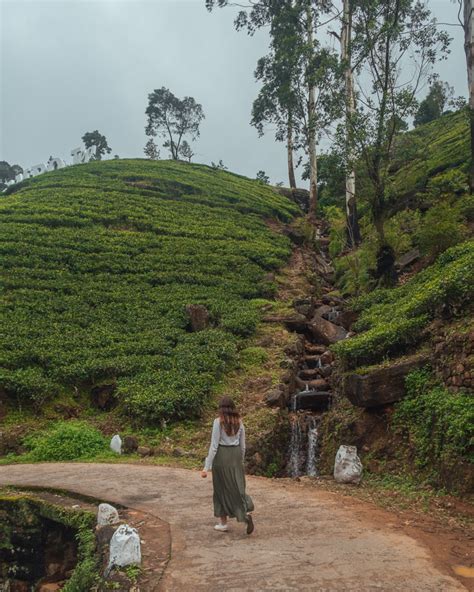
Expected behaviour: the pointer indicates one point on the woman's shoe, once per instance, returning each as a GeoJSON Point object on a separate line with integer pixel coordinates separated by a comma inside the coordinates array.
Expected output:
{"type": "Point", "coordinates": [250, 525]}
{"type": "Point", "coordinates": [221, 527]}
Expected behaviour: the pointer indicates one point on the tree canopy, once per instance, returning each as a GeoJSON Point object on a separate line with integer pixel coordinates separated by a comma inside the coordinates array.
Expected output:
{"type": "Point", "coordinates": [173, 119]}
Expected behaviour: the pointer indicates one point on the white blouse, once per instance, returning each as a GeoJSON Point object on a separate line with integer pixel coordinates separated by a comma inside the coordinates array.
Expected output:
{"type": "Point", "coordinates": [219, 436]}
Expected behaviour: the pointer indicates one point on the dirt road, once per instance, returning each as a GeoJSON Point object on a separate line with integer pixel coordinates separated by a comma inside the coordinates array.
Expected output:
{"type": "Point", "coordinates": [304, 540]}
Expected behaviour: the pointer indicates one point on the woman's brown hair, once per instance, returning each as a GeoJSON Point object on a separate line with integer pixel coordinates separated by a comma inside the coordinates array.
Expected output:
{"type": "Point", "coordinates": [229, 416]}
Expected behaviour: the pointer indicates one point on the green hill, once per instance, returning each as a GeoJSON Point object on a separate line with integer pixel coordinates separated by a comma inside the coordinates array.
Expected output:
{"type": "Point", "coordinates": [98, 264]}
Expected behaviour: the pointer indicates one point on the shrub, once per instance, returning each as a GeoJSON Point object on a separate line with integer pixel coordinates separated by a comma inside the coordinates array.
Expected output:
{"type": "Point", "coordinates": [439, 424]}
{"type": "Point", "coordinates": [70, 440]}
{"type": "Point", "coordinates": [442, 228]}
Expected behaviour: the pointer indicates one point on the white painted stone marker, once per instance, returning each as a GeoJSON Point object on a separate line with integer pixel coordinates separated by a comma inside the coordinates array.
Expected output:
{"type": "Point", "coordinates": [347, 467]}
{"type": "Point", "coordinates": [116, 444]}
{"type": "Point", "coordinates": [125, 547]}
{"type": "Point", "coordinates": [107, 514]}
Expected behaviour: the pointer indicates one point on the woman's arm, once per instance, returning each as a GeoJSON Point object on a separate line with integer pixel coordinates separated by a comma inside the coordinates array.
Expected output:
{"type": "Point", "coordinates": [216, 432]}
{"type": "Point", "coordinates": [242, 442]}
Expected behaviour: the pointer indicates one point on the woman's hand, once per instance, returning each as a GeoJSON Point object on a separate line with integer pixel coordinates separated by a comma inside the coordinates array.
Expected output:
{"type": "Point", "coordinates": [203, 474]}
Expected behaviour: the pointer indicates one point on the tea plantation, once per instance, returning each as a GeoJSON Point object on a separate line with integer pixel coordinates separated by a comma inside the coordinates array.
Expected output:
{"type": "Point", "coordinates": [98, 264]}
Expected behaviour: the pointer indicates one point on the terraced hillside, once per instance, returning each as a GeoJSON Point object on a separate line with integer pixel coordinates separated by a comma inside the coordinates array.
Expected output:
{"type": "Point", "coordinates": [98, 264]}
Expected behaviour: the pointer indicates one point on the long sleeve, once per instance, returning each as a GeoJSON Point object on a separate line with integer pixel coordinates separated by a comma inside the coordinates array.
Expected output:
{"type": "Point", "coordinates": [242, 442]}
{"type": "Point", "coordinates": [216, 430]}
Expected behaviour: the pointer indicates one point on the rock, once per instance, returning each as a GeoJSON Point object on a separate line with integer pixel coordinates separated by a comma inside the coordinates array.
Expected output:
{"type": "Point", "coordinates": [314, 349]}
{"type": "Point", "coordinates": [144, 451]}
{"type": "Point", "coordinates": [104, 534]}
{"type": "Point", "coordinates": [326, 332]}
{"type": "Point", "coordinates": [309, 374]}
{"type": "Point", "coordinates": [317, 384]}
{"type": "Point", "coordinates": [289, 364]}
{"type": "Point", "coordinates": [50, 587]}
{"type": "Point", "coordinates": [382, 385]}
{"type": "Point", "coordinates": [130, 444]}
{"type": "Point", "coordinates": [179, 452]}
{"type": "Point", "coordinates": [347, 466]}
{"type": "Point", "coordinates": [103, 396]}
{"type": "Point", "coordinates": [125, 547]}
{"type": "Point", "coordinates": [107, 514]}
{"type": "Point", "coordinates": [346, 319]}
{"type": "Point", "coordinates": [322, 310]}
{"type": "Point", "coordinates": [325, 371]}
{"type": "Point", "coordinates": [297, 322]}
{"type": "Point", "coordinates": [299, 196]}
{"type": "Point", "coordinates": [275, 398]}
{"type": "Point", "coordinates": [18, 586]}
{"type": "Point", "coordinates": [407, 259]}
{"type": "Point", "coordinates": [304, 306]}
{"type": "Point", "coordinates": [11, 440]}
{"type": "Point", "coordinates": [159, 451]}
{"type": "Point", "coordinates": [312, 400]}
{"type": "Point", "coordinates": [198, 317]}
{"type": "Point", "coordinates": [327, 357]}
{"type": "Point", "coordinates": [116, 444]}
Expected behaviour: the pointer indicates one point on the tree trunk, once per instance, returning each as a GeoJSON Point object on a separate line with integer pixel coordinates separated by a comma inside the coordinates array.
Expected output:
{"type": "Point", "coordinates": [289, 145]}
{"type": "Point", "coordinates": [313, 162]}
{"type": "Point", "coordinates": [469, 49]}
{"type": "Point", "coordinates": [352, 224]}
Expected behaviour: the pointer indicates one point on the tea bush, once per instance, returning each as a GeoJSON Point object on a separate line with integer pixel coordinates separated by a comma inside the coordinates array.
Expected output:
{"type": "Point", "coordinates": [393, 319]}
{"type": "Point", "coordinates": [99, 262]}
{"type": "Point", "coordinates": [70, 440]}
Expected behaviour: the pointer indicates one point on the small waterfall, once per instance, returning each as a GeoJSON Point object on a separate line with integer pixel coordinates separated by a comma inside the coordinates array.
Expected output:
{"type": "Point", "coordinates": [304, 446]}
{"type": "Point", "coordinates": [313, 447]}
{"type": "Point", "coordinates": [294, 461]}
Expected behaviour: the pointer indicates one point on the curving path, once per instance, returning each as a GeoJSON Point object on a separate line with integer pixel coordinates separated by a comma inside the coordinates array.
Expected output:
{"type": "Point", "coordinates": [305, 540]}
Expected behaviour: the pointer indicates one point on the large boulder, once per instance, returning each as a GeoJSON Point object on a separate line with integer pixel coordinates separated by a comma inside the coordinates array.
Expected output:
{"type": "Point", "coordinates": [383, 385]}
{"type": "Point", "coordinates": [326, 332]}
{"type": "Point", "coordinates": [198, 316]}
{"type": "Point", "coordinates": [130, 444]}
{"type": "Point", "coordinates": [312, 400]}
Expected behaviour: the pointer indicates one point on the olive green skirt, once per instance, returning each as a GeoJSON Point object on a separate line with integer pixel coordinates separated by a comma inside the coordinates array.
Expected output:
{"type": "Point", "coordinates": [228, 480]}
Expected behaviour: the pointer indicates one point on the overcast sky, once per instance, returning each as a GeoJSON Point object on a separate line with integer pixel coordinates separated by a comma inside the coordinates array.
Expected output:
{"type": "Point", "coordinates": [71, 66]}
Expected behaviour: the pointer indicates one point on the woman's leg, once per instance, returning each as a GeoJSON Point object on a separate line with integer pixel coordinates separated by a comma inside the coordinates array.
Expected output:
{"type": "Point", "coordinates": [223, 520]}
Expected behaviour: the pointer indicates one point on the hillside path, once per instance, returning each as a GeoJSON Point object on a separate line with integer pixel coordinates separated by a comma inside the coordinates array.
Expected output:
{"type": "Point", "coordinates": [304, 539]}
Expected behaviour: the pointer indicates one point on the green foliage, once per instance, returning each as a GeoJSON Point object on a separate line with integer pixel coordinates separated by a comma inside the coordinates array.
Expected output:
{"type": "Point", "coordinates": [253, 356]}
{"type": "Point", "coordinates": [262, 177]}
{"type": "Point", "coordinates": [96, 139]}
{"type": "Point", "coordinates": [392, 319]}
{"type": "Point", "coordinates": [99, 262]}
{"type": "Point", "coordinates": [337, 234]}
{"type": "Point", "coordinates": [433, 105]}
{"type": "Point", "coordinates": [438, 424]}
{"type": "Point", "coordinates": [442, 228]}
{"type": "Point", "coordinates": [70, 440]}
{"type": "Point", "coordinates": [354, 271]}
{"type": "Point", "coordinates": [437, 152]}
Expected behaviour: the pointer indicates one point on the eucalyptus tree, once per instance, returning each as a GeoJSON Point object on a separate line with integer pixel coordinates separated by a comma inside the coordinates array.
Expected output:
{"type": "Point", "coordinates": [277, 100]}
{"type": "Point", "coordinates": [466, 7]}
{"type": "Point", "coordinates": [345, 39]}
{"type": "Point", "coordinates": [301, 81]}
{"type": "Point", "coordinates": [173, 119]}
{"type": "Point", "coordinates": [394, 47]}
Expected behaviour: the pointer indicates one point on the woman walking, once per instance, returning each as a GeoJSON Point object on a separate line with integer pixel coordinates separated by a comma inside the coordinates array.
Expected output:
{"type": "Point", "coordinates": [226, 457]}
